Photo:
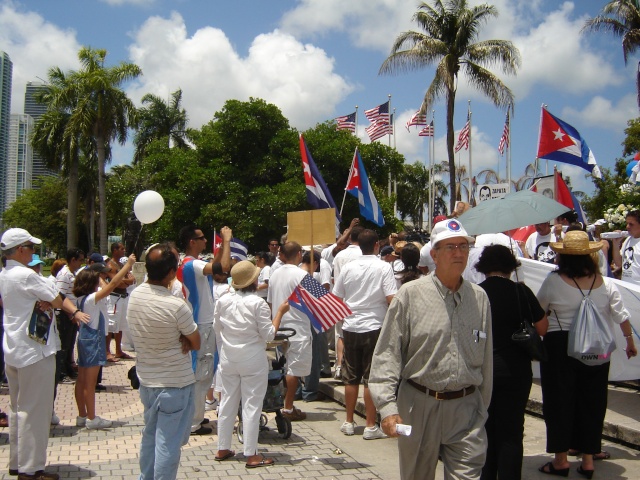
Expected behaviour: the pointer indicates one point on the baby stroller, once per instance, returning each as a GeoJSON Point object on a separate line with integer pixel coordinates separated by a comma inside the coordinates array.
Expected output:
{"type": "Point", "coordinates": [274, 397]}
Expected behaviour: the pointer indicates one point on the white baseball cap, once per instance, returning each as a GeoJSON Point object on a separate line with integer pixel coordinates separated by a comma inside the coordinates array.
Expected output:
{"type": "Point", "coordinates": [17, 236]}
{"type": "Point", "coordinates": [450, 228]}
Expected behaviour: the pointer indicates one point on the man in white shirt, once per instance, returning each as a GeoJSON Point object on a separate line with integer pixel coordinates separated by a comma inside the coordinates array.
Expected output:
{"type": "Point", "coordinates": [367, 285]}
{"type": "Point", "coordinates": [29, 354]}
{"type": "Point", "coordinates": [281, 285]}
{"type": "Point", "coordinates": [163, 331]}
{"type": "Point", "coordinates": [630, 251]}
{"type": "Point", "coordinates": [537, 245]}
{"type": "Point", "coordinates": [197, 283]}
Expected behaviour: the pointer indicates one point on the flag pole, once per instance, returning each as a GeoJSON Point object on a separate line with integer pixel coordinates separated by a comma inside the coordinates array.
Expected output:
{"type": "Point", "coordinates": [344, 196]}
{"type": "Point", "coordinates": [542, 107]}
{"type": "Point", "coordinates": [470, 142]}
{"type": "Point", "coordinates": [395, 180]}
{"type": "Point", "coordinates": [356, 132]}
{"type": "Point", "coordinates": [432, 183]}
{"type": "Point", "coordinates": [389, 113]}
{"type": "Point", "coordinates": [509, 115]}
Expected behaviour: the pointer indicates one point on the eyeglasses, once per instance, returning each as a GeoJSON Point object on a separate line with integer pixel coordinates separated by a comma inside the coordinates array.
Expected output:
{"type": "Point", "coordinates": [202, 237]}
{"type": "Point", "coordinates": [29, 245]}
{"type": "Point", "coordinates": [450, 248]}
{"type": "Point", "coordinates": [274, 244]}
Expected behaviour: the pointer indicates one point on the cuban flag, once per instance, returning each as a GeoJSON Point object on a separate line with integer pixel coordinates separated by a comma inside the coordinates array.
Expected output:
{"type": "Point", "coordinates": [239, 249]}
{"type": "Point", "coordinates": [560, 142]}
{"type": "Point", "coordinates": [358, 185]}
{"type": "Point", "coordinates": [323, 308]}
{"type": "Point", "coordinates": [317, 192]}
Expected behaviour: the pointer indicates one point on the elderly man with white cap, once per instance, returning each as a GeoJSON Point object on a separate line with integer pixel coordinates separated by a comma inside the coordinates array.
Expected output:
{"type": "Point", "coordinates": [29, 353]}
{"type": "Point", "coordinates": [432, 366]}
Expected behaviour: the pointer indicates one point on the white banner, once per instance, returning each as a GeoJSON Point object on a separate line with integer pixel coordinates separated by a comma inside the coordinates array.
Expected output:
{"type": "Point", "coordinates": [621, 368]}
{"type": "Point", "coordinates": [489, 191]}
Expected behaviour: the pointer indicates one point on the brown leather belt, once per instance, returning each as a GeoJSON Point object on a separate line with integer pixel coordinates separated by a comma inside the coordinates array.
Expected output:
{"type": "Point", "coordinates": [443, 395]}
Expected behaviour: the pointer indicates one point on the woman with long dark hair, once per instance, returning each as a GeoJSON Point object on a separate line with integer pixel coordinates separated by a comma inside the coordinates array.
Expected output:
{"type": "Point", "coordinates": [511, 365]}
{"type": "Point", "coordinates": [575, 394]}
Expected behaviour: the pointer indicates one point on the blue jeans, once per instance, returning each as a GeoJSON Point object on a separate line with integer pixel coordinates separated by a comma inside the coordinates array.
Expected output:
{"type": "Point", "coordinates": [167, 425]}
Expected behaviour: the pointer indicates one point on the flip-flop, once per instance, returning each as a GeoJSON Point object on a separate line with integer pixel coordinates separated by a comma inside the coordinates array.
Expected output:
{"type": "Point", "coordinates": [226, 456]}
{"type": "Point", "coordinates": [124, 356]}
{"type": "Point", "coordinates": [265, 462]}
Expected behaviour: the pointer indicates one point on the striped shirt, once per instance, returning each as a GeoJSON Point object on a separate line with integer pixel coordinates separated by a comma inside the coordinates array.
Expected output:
{"type": "Point", "coordinates": [156, 320]}
{"type": "Point", "coordinates": [64, 282]}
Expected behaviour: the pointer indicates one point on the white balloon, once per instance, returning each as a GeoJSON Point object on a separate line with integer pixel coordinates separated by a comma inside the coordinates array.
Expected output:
{"type": "Point", "coordinates": [148, 206]}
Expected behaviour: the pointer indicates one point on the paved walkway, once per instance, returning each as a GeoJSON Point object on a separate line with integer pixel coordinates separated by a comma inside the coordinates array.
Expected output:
{"type": "Point", "coordinates": [316, 449]}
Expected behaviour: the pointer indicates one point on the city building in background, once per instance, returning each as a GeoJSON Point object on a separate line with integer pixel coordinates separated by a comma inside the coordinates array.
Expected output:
{"type": "Point", "coordinates": [6, 72]}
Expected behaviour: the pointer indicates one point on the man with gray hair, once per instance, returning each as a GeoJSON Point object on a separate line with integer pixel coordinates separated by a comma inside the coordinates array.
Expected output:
{"type": "Point", "coordinates": [433, 364]}
{"type": "Point", "coordinates": [29, 347]}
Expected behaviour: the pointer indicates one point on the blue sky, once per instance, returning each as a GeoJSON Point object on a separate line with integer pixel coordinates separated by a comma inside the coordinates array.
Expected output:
{"type": "Point", "coordinates": [317, 59]}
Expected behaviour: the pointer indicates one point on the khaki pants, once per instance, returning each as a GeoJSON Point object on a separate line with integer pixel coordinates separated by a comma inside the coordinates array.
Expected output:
{"type": "Point", "coordinates": [452, 429]}
{"type": "Point", "coordinates": [31, 406]}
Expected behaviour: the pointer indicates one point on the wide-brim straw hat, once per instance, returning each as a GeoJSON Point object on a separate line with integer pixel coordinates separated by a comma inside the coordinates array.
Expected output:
{"type": "Point", "coordinates": [575, 242]}
{"type": "Point", "coordinates": [243, 274]}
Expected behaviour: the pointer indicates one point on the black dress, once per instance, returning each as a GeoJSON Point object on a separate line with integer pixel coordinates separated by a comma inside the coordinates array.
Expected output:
{"type": "Point", "coordinates": [511, 378]}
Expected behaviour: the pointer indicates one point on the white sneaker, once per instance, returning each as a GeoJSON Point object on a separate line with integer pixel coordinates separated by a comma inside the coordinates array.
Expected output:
{"type": "Point", "coordinates": [338, 374]}
{"type": "Point", "coordinates": [81, 421]}
{"type": "Point", "coordinates": [55, 420]}
{"type": "Point", "coordinates": [210, 405]}
{"type": "Point", "coordinates": [348, 428]}
{"type": "Point", "coordinates": [98, 423]}
{"type": "Point", "coordinates": [373, 433]}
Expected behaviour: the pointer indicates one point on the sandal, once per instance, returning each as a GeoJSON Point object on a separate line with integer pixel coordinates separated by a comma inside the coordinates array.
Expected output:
{"type": "Point", "coordinates": [226, 456]}
{"type": "Point", "coordinates": [603, 455]}
{"type": "Point", "coordinates": [124, 356]}
{"type": "Point", "coordinates": [112, 359]}
{"type": "Point", "coordinates": [265, 462]}
{"type": "Point", "coordinates": [551, 470]}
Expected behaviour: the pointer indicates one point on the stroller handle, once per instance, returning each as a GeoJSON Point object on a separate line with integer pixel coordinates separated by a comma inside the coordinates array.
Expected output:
{"type": "Point", "coordinates": [284, 333]}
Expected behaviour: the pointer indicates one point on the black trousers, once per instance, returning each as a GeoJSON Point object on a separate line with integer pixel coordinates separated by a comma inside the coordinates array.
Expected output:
{"type": "Point", "coordinates": [64, 357]}
{"type": "Point", "coordinates": [505, 427]}
{"type": "Point", "coordinates": [574, 398]}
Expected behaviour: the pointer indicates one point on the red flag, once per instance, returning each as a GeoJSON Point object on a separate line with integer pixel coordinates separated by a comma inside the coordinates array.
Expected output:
{"type": "Point", "coordinates": [552, 136]}
{"type": "Point", "coordinates": [354, 174]}
{"type": "Point", "coordinates": [563, 195]}
{"type": "Point", "coordinates": [521, 234]}
{"type": "Point", "coordinates": [217, 242]}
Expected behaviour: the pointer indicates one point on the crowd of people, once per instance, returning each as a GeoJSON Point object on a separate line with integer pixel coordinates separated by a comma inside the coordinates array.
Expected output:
{"type": "Point", "coordinates": [428, 337]}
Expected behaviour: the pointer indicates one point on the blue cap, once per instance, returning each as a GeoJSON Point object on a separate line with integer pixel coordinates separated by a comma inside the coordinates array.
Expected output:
{"type": "Point", "coordinates": [35, 260]}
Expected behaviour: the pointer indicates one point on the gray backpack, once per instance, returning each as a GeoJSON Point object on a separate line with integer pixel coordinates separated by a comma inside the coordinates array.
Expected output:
{"type": "Point", "coordinates": [590, 339]}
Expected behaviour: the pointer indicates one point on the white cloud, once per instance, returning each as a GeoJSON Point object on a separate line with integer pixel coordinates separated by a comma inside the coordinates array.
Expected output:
{"type": "Point", "coordinates": [34, 45]}
{"type": "Point", "coordinates": [298, 78]}
{"type": "Point", "coordinates": [601, 112]}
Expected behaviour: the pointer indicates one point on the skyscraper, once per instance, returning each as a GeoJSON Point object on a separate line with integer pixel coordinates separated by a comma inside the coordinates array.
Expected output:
{"type": "Point", "coordinates": [6, 72]}
{"type": "Point", "coordinates": [35, 109]}
{"type": "Point", "coordinates": [18, 172]}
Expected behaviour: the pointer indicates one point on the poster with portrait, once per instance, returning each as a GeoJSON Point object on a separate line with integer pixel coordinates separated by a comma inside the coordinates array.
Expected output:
{"type": "Point", "coordinates": [489, 191]}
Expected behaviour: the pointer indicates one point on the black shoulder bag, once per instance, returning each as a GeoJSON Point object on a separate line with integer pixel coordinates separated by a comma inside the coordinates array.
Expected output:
{"type": "Point", "coordinates": [526, 336]}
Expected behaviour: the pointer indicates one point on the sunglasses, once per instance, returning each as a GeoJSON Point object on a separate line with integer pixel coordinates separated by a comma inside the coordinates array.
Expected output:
{"type": "Point", "coordinates": [200, 238]}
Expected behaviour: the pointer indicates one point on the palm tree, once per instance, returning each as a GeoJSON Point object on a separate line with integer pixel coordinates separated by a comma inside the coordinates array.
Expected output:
{"type": "Point", "coordinates": [159, 119]}
{"type": "Point", "coordinates": [57, 144]}
{"type": "Point", "coordinates": [622, 19]}
{"type": "Point", "coordinates": [450, 30]}
{"type": "Point", "coordinates": [413, 191]}
{"type": "Point", "coordinates": [103, 112]}
{"type": "Point", "coordinates": [526, 180]}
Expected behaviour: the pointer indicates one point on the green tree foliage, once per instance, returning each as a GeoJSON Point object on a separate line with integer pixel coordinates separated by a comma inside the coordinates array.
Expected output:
{"type": "Point", "coordinates": [43, 212]}
{"type": "Point", "coordinates": [608, 191]}
{"type": "Point", "coordinates": [448, 40]}
{"type": "Point", "coordinates": [631, 143]}
{"type": "Point", "coordinates": [413, 193]}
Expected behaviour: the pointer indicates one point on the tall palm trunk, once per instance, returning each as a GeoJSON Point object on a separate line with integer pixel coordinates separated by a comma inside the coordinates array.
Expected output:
{"type": "Point", "coordinates": [72, 203]}
{"type": "Point", "coordinates": [102, 196]}
{"type": "Point", "coordinates": [451, 98]}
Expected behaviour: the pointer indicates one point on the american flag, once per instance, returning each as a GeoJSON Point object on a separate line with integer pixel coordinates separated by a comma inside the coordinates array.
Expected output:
{"type": "Point", "coordinates": [504, 140]}
{"type": "Point", "coordinates": [324, 309]}
{"type": "Point", "coordinates": [427, 131]}
{"type": "Point", "coordinates": [347, 122]}
{"type": "Point", "coordinates": [417, 119]}
{"type": "Point", "coordinates": [380, 129]}
{"type": "Point", "coordinates": [463, 137]}
{"type": "Point", "coordinates": [379, 113]}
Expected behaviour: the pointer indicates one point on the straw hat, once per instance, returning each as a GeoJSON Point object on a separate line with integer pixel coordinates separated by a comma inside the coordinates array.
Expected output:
{"type": "Point", "coordinates": [575, 242]}
{"type": "Point", "coordinates": [243, 274]}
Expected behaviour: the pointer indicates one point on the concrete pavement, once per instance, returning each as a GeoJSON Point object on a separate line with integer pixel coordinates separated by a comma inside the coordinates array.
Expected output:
{"type": "Point", "coordinates": [316, 449]}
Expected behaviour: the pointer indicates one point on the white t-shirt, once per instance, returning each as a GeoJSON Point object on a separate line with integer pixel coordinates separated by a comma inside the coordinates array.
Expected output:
{"type": "Point", "coordinates": [364, 284]}
{"type": "Point", "coordinates": [327, 253]}
{"type": "Point", "coordinates": [562, 302]}
{"type": "Point", "coordinates": [277, 263]}
{"type": "Point", "coordinates": [221, 289]}
{"type": "Point", "coordinates": [156, 321]}
{"type": "Point", "coordinates": [243, 322]}
{"type": "Point", "coordinates": [343, 257]}
{"type": "Point", "coordinates": [281, 286]}
{"type": "Point", "coordinates": [264, 278]}
{"type": "Point", "coordinates": [425, 257]}
{"type": "Point", "coordinates": [537, 247]}
{"type": "Point", "coordinates": [630, 253]}
{"type": "Point", "coordinates": [94, 309]}
{"type": "Point", "coordinates": [324, 275]}
{"type": "Point", "coordinates": [198, 290]}
{"type": "Point", "coordinates": [20, 289]}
